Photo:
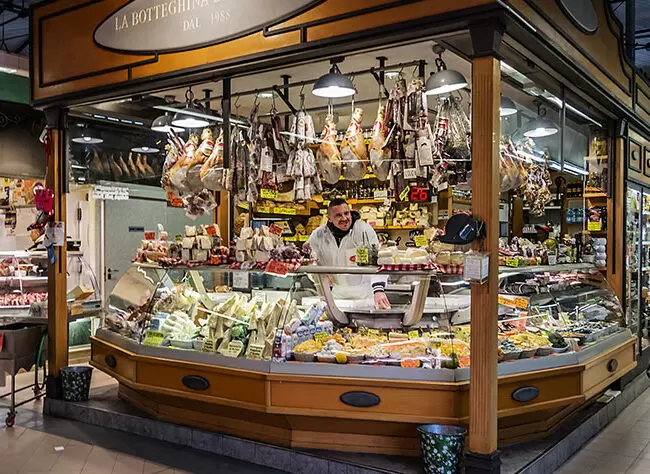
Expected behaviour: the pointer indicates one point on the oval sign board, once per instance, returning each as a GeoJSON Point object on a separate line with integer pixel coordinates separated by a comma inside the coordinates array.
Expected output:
{"type": "Point", "coordinates": [165, 26]}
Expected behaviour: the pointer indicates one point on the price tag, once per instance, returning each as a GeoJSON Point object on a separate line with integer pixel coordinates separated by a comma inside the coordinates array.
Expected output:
{"type": "Point", "coordinates": [594, 226]}
{"type": "Point", "coordinates": [373, 332]}
{"type": "Point", "coordinates": [303, 238]}
{"type": "Point", "coordinates": [426, 335]}
{"type": "Point", "coordinates": [380, 194]}
{"type": "Point", "coordinates": [149, 235]}
{"type": "Point", "coordinates": [263, 209]}
{"type": "Point", "coordinates": [240, 280]}
{"type": "Point", "coordinates": [275, 229]}
{"type": "Point", "coordinates": [266, 193]}
{"type": "Point", "coordinates": [153, 338]}
{"type": "Point", "coordinates": [420, 241]}
{"type": "Point", "coordinates": [211, 230]}
{"type": "Point", "coordinates": [174, 201]}
{"type": "Point", "coordinates": [362, 255]}
{"type": "Point", "coordinates": [254, 351]}
{"type": "Point", "coordinates": [410, 173]}
{"type": "Point", "coordinates": [291, 238]}
{"type": "Point", "coordinates": [414, 334]}
{"type": "Point", "coordinates": [514, 301]}
{"type": "Point", "coordinates": [512, 261]}
{"type": "Point", "coordinates": [234, 349]}
{"type": "Point", "coordinates": [320, 336]}
{"type": "Point", "coordinates": [277, 268]}
{"type": "Point", "coordinates": [43, 197]}
{"type": "Point", "coordinates": [323, 212]}
{"type": "Point", "coordinates": [290, 211]}
{"type": "Point", "coordinates": [405, 192]}
{"type": "Point", "coordinates": [209, 345]}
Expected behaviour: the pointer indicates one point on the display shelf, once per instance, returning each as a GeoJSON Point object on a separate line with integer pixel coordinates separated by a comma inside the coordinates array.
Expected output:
{"type": "Point", "coordinates": [23, 279]}
{"type": "Point", "coordinates": [595, 195]}
{"type": "Point", "coordinates": [365, 201]}
{"type": "Point", "coordinates": [282, 211]}
{"type": "Point", "coordinates": [397, 227]}
{"type": "Point", "coordinates": [546, 208]}
{"type": "Point", "coordinates": [466, 202]}
{"type": "Point", "coordinates": [307, 269]}
{"type": "Point", "coordinates": [547, 268]}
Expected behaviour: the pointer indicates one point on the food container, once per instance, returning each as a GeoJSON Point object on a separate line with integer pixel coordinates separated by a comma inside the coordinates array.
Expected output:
{"type": "Point", "coordinates": [511, 355]}
{"type": "Point", "coordinates": [559, 350]}
{"type": "Point", "coordinates": [326, 357]}
{"type": "Point", "coordinates": [304, 356]}
{"type": "Point", "coordinates": [543, 351]}
{"type": "Point", "coordinates": [355, 358]}
{"type": "Point", "coordinates": [178, 344]}
{"type": "Point", "coordinates": [527, 353]}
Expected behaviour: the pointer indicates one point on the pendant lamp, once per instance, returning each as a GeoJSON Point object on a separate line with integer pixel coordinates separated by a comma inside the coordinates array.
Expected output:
{"type": "Point", "coordinates": [191, 116]}
{"type": "Point", "coordinates": [507, 107]}
{"type": "Point", "coordinates": [334, 84]}
{"type": "Point", "coordinates": [163, 124]}
{"type": "Point", "coordinates": [540, 127]}
{"type": "Point", "coordinates": [444, 80]}
{"type": "Point", "coordinates": [87, 139]}
{"type": "Point", "coordinates": [145, 149]}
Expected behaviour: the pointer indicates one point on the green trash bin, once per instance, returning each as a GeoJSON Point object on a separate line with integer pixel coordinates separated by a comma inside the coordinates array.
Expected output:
{"type": "Point", "coordinates": [75, 381]}
{"type": "Point", "coordinates": [442, 448]}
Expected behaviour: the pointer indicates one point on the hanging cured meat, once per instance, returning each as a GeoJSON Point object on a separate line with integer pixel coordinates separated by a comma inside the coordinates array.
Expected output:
{"type": "Point", "coordinates": [124, 167]}
{"type": "Point", "coordinates": [107, 173]}
{"type": "Point", "coordinates": [380, 155]}
{"type": "Point", "coordinates": [95, 166]}
{"type": "Point", "coordinates": [116, 172]}
{"type": "Point", "coordinates": [328, 155]}
{"type": "Point", "coordinates": [301, 165]}
{"type": "Point", "coordinates": [212, 169]}
{"type": "Point", "coordinates": [354, 153]}
{"type": "Point", "coordinates": [132, 168]}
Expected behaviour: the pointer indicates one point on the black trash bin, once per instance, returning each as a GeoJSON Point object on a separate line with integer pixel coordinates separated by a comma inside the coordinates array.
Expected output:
{"type": "Point", "coordinates": [442, 448]}
{"type": "Point", "coordinates": [75, 382]}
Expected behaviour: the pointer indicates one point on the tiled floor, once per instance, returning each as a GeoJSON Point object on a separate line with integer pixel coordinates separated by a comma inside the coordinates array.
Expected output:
{"type": "Point", "coordinates": [621, 448]}
{"type": "Point", "coordinates": [38, 444]}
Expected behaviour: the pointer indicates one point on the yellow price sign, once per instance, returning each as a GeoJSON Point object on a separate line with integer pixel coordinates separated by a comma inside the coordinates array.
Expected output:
{"type": "Point", "coordinates": [289, 211]}
{"type": "Point", "coordinates": [320, 336]}
{"type": "Point", "coordinates": [264, 209]}
{"type": "Point", "coordinates": [595, 226]}
{"type": "Point", "coordinates": [153, 338]}
{"type": "Point", "coordinates": [514, 301]}
{"type": "Point", "coordinates": [373, 332]}
{"type": "Point", "coordinates": [266, 193]}
{"type": "Point", "coordinates": [414, 334]}
{"type": "Point", "coordinates": [512, 261]}
{"type": "Point", "coordinates": [362, 255]}
{"type": "Point", "coordinates": [420, 241]}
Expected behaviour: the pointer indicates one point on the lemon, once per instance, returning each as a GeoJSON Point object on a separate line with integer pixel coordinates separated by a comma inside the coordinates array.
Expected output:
{"type": "Point", "coordinates": [341, 358]}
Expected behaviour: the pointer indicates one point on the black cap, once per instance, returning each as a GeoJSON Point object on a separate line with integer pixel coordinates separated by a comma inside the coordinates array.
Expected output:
{"type": "Point", "coordinates": [461, 229]}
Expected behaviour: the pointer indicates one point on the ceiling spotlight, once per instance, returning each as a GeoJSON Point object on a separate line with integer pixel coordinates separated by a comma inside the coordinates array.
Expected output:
{"type": "Point", "coordinates": [507, 107]}
{"type": "Point", "coordinates": [191, 115]}
{"type": "Point", "coordinates": [163, 124]}
{"type": "Point", "coordinates": [87, 139]}
{"type": "Point", "coordinates": [334, 84]}
{"type": "Point", "coordinates": [540, 127]}
{"type": "Point", "coordinates": [444, 80]}
{"type": "Point", "coordinates": [145, 149]}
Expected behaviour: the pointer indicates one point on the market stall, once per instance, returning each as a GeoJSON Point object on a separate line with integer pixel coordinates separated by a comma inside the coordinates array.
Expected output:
{"type": "Point", "coordinates": [226, 321]}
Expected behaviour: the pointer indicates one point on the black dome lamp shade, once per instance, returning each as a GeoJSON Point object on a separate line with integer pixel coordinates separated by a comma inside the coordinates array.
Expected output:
{"type": "Point", "coordinates": [191, 116]}
{"type": "Point", "coordinates": [164, 124]}
{"type": "Point", "coordinates": [334, 84]}
{"type": "Point", "coordinates": [444, 80]}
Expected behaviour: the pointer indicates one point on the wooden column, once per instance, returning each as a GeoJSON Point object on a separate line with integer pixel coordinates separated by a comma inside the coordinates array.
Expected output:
{"type": "Point", "coordinates": [56, 180]}
{"type": "Point", "coordinates": [486, 90]}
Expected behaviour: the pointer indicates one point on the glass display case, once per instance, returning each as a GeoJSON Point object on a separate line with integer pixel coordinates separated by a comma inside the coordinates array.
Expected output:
{"type": "Point", "coordinates": [550, 316]}
{"type": "Point", "coordinates": [633, 258]}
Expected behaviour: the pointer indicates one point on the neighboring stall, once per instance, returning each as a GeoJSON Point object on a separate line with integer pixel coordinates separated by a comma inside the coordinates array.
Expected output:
{"type": "Point", "coordinates": [270, 366]}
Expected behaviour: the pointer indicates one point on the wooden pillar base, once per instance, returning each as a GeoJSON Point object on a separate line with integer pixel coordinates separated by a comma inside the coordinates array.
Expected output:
{"type": "Point", "coordinates": [53, 387]}
{"type": "Point", "coordinates": [482, 463]}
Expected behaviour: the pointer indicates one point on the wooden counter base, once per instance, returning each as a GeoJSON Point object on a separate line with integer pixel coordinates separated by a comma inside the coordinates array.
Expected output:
{"type": "Point", "coordinates": [307, 411]}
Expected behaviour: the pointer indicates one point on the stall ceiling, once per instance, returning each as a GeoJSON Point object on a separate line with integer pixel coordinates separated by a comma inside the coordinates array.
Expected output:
{"type": "Point", "coordinates": [14, 26]}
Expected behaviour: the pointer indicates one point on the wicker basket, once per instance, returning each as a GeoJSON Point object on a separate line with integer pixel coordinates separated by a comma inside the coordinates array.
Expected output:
{"type": "Point", "coordinates": [326, 358]}
{"type": "Point", "coordinates": [543, 351]}
{"type": "Point", "coordinates": [527, 353]}
{"type": "Point", "coordinates": [511, 355]}
{"type": "Point", "coordinates": [355, 358]}
{"type": "Point", "coordinates": [559, 350]}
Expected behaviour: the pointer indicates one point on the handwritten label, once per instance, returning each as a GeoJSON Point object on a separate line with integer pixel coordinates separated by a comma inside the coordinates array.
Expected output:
{"type": "Point", "coordinates": [254, 351]}
{"type": "Point", "coordinates": [266, 193]}
{"type": "Point", "coordinates": [403, 195]}
{"type": "Point", "coordinates": [264, 209]}
{"type": "Point", "coordinates": [420, 241]}
{"type": "Point", "coordinates": [410, 173]}
{"type": "Point", "coordinates": [110, 193]}
{"type": "Point", "coordinates": [595, 226]}
{"type": "Point", "coordinates": [277, 268]}
{"type": "Point", "coordinates": [275, 229]}
{"type": "Point", "coordinates": [512, 261]}
{"type": "Point", "coordinates": [320, 336]}
{"type": "Point", "coordinates": [289, 211]}
{"type": "Point", "coordinates": [380, 194]}
{"type": "Point", "coordinates": [362, 255]}
{"type": "Point", "coordinates": [211, 230]}
{"type": "Point", "coordinates": [234, 349]}
{"type": "Point", "coordinates": [153, 338]}
{"type": "Point", "coordinates": [209, 345]}
{"type": "Point", "coordinates": [414, 334]}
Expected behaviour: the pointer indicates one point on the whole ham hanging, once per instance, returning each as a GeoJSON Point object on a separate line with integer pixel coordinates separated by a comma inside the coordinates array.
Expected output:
{"type": "Point", "coordinates": [354, 153]}
{"type": "Point", "coordinates": [380, 155]}
{"type": "Point", "coordinates": [212, 170]}
{"type": "Point", "coordinates": [301, 165]}
{"type": "Point", "coordinates": [328, 155]}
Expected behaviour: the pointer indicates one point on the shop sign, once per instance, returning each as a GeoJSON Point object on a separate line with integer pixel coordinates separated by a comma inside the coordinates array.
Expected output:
{"type": "Point", "coordinates": [110, 193]}
{"type": "Point", "coordinates": [164, 26]}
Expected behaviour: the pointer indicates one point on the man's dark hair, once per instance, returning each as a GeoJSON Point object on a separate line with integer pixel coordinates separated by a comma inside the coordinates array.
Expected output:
{"type": "Point", "coordinates": [336, 202]}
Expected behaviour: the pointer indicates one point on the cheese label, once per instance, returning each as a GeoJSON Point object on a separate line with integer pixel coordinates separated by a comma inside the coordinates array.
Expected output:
{"type": "Point", "coordinates": [263, 209]}
{"type": "Point", "coordinates": [153, 338]}
{"type": "Point", "coordinates": [420, 241]}
{"type": "Point", "coordinates": [414, 334]}
{"type": "Point", "coordinates": [254, 351]}
{"type": "Point", "coordinates": [373, 332]}
{"type": "Point", "coordinates": [277, 268]}
{"type": "Point", "coordinates": [404, 194]}
{"type": "Point", "coordinates": [275, 229]}
{"type": "Point", "coordinates": [518, 302]}
{"type": "Point", "coordinates": [266, 193]}
{"type": "Point", "coordinates": [289, 211]}
{"type": "Point", "coordinates": [512, 261]}
{"type": "Point", "coordinates": [595, 226]}
{"type": "Point", "coordinates": [234, 349]}
{"type": "Point", "coordinates": [211, 230]}
{"type": "Point", "coordinates": [209, 345]}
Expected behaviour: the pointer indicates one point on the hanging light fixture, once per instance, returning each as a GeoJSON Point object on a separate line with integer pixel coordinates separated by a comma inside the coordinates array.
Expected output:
{"type": "Point", "coordinates": [507, 107]}
{"type": "Point", "coordinates": [334, 84]}
{"type": "Point", "coordinates": [145, 149]}
{"type": "Point", "coordinates": [191, 116]}
{"type": "Point", "coordinates": [163, 124]}
{"type": "Point", "coordinates": [444, 80]}
{"type": "Point", "coordinates": [87, 138]}
{"type": "Point", "coordinates": [540, 127]}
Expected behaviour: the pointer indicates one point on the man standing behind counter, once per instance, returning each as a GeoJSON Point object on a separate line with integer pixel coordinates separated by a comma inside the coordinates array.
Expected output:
{"type": "Point", "coordinates": [335, 244]}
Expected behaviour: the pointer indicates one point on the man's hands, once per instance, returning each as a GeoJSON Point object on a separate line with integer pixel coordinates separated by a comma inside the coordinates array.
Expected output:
{"type": "Point", "coordinates": [381, 301]}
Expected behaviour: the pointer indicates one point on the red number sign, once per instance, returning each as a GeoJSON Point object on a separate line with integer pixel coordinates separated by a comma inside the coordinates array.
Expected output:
{"type": "Point", "coordinates": [419, 194]}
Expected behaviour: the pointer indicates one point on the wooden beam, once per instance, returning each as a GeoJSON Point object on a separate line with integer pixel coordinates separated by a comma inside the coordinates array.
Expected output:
{"type": "Point", "coordinates": [57, 272]}
{"type": "Point", "coordinates": [486, 84]}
